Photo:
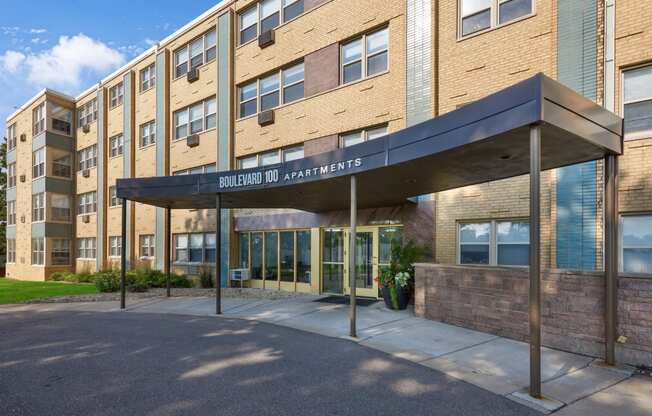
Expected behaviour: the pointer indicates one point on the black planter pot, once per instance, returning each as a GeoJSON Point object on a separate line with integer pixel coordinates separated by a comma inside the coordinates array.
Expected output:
{"type": "Point", "coordinates": [402, 297]}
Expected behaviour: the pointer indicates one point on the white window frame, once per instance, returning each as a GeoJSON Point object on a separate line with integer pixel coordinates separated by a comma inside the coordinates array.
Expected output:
{"type": "Point", "coordinates": [38, 251]}
{"type": "Point", "coordinates": [11, 250]}
{"type": "Point", "coordinates": [115, 246]}
{"type": "Point", "coordinates": [12, 137]}
{"type": "Point", "coordinates": [208, 168]}
{"type": "Point", "coordinates": [116, 95]}
{"type": "Point", "coordinates": [39, 203]}
{"type": "Point", "coordinates": [364, 58]}
{"type": "Point", "coordinates": [637, 135]}
{"type": "Point", "coordinates": [114, 201]}
{"type": "Point", "coordinates": [494, 18]}
{"type": "Point", "coordinates": [87, 157]}
{"type": "Point", "coordinates": [147, 246]}
{"type": "Point", "coordinates": [38, 119]}
{"type": "Point", "coordinates": [87, 113]}
{"type": "Point", "coordinates": [148, 78]}
{"type": "Point", "coordinates": [364, 132]}
{"type": "Point", "coordinates": [280, 88]}
{"type": "Point", "coordinates": [38, 163]}
{"type": "Point", "coordinates": [621, 243]}
{"type": "Point", "coordinates": [11, 175]}
{"type": "Point", "coordinates": [493, 241]}
{"type": "Point", "coordinates": [86, 247]}
{"type": "Point", "coordinates": [11, 212]}
{"type": "Point", "coordinates": [87, 203]}
{"type": "Point", "coordinates": [188, 236]}
{"type": "Point", "coordinates": [256, 10]}
{"type": "Point", "coordinates": [147, 136]}
{"type": "Point", "coordinates": [116, 146]}
{"type": "Point", "coordinates": [204, 105]}
{"type": "Point", "coordinates": [187, 48]}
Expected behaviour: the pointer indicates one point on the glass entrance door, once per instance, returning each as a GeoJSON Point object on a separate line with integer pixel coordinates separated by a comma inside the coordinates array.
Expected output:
{"type": "Point", "coordinates": [333, 261]}
{"type": "Point", "coordinates": [366, 262]}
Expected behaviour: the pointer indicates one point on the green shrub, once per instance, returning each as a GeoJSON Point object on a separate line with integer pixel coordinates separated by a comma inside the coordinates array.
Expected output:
{"type": "Point", "coordinates": [138, 286]}
{"type": "Point", "coordinates": [59, 276]}
{"type": "Point", "coordinates": [107, 282]}
{"type": "Point", "coordinates": [206, 278]}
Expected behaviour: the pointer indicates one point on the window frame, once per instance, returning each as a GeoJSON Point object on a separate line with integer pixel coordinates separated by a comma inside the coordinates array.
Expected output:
{"type": "Point", "coordinates": [147, 77]}
{"type": "Point", "coordinates": [38, 119]}
{"type": "Point", "coordinates": [87, 113]}
{"type": "Point", "coordinates": [83, 158]}
{"type": "Point", "coordinates": [39, 204]}
{"type": "Point", "coordinates": [115, 246]}
{"type": "Point", "coordinates": [114, 201]}
{"type": "Point", "coordinates": [635, 135]}
{"type": "Point", "coordinates": [256, 8]}
{"type": "Point", "coordinates": [365, 134]}
{"type": "Point", "coordinates": [187, 48]}
{"type": "Point", "coordinates": [61, 248]}
{"type": "Point", "coordinates": [85, 248]}
{"type": "Point", "coordinates": [364, 58]}
{"type": "Point", "coordinates": [147, 242]}
{"type": "Point", "coordinates": [116, 95]}
{"type": "Point", "coordinates": [204, 104]}
{"type": "Point", "coordinates": [12, 177]}
{"type": "Point", "coordinates": [117, 150]}
{"type": "Point", "coordinates": [11, 251]}
{"type": "Point", "coordinates": [494, 18]}
{"type": "Point", "coordinates": [149, 139]}
{"type": "Point", "coordinates": [12, 137]}
{"type": "Point", "coordinates": [492, 243]}
{"type": "Point", "coordinates": [621, 243]}
{"type": "Point", "coordinates": [58, 218]}
{"type": "Point", "coordinates": [38, 166]}
{"type": "Point", "coordinates": [188, 247]}
{"type": "Point", "coordinates": [87, 203]}
{"type": "Point", "coordinates": [38, 251]}
{"type": "Point", "coordinates": [11, 212]}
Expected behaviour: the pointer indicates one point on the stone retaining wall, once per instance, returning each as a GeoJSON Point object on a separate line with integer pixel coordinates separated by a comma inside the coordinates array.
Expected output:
{"type": "Point", "coordinates": [495, 300]}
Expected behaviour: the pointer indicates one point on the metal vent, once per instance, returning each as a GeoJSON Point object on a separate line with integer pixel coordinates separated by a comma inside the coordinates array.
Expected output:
{"type": "Point", "coordinates": [192, 75]}
{"type": "Point", "coordinates": [86, 219]}
{"type": "Point", "coordinates": [86, 128]}
{"type": "Point", "coordinates": [23, 178]}
{"type": "Point", "coordinates": [266, 39]}
{"type": "Point", "coordinates": [86, 173]}
{"type": "Point", "coordinates": [192, 140]}
{"type": "Point", "coordinates": [266, 117]}
{"type": "Point", "coordinates": [23, 137]}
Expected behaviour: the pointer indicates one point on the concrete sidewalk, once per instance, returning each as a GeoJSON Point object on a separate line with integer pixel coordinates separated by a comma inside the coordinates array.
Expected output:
{"type": "Point", "coordinates": [574, 383]}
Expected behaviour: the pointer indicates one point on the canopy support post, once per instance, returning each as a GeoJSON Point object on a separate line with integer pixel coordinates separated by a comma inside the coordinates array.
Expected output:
{"type": "Point", "coordinates": [535, 262]}
{"type": "Point", "coordinates": [352, 260]}
{"type": "Point", "coordinates": [168, 250]}
{"type": "Point", "coordinates": [123, 256]}
{"type": "Point", "coordinates": [611, 255]}
{"type": "Point", "coordinates": [218, 254]}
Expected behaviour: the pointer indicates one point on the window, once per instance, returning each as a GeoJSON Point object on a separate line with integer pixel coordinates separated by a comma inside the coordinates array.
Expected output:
{"type": "Point", "coordinates": [195, 248]}
{"type": "Point", "coordinates": [495, 243]}
{"type": "Point", "coordinates": [38, 119]}
{"type": "Point", "coordinates": [60, 209]}
{"type": "Point", "coordinates": [114, 201]}
{"type": "Point", "coordinates": [147, 134]}
{"type": "Point", "coordinates": [11, 175]}
{"type": "Point", "coordinates": [636, 244]}
{"type": "Point", "coordinates": [116, 95]}
{"type": "Point", "coordinates": [148, 78]}
{"type": "Point", "coordinates": [62, 166]}
{"type": "Point", "coordinates": [199, 51]}
{"type": "Point", "coordinates": [289, 249]}
{"type": "Point", "coordinates": [637, 102]}
{"type": "Point", "coordinates": [60, 252]}
{"type": "Point", "coordinates": [147, 246]}
{"type": "Point", "coordinates": [38, 251]}
{"type": "Point", "coordinates": [271, 157]}
{"type": "Point", "coordinates": [282, 87]}
{"type": "Point", "coordinates": [87, 157]}
{"type": "Point", "coordinates": [365, 56]}
{"type": "Point", "coordinates": [87, 203]}
{"type": "Point", "coordinates": [38, 163]}
{"type": "Point", "coordinates": [270, 17]}
{"type": "Point", "coordinates": [86, 248]}
{"type": "Point", "coordinates": [11, 250]}
{"type": "Point", "coordinates": [11, 212]}
{"type": "Point", "coordinates": [38, 207]}
{"type": "Point", "coordinates": [61, 118]}
{"type": "Point", "coordinates": [195, 119]}
{"type": "Point", "coordinates": [115, 246]}
{"type": "Point", "coordinates": [87, 113]}
{"type": "Point", "coordinates": [389, 238]}
{"type": "Point", "coordinates": [12, 137]}
{"type": "Point", "coordinates": [356, 137]}
{"type": "Point", "coordinates": [477, 15]}
{"type": "Point", "coordinates": [116, 145]}
{"type": "Point", "coordinates": [199, 169]}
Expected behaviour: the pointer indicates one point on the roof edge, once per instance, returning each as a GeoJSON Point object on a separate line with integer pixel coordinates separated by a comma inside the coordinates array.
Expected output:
{"type": "Point", "coordinates": [35, 97]}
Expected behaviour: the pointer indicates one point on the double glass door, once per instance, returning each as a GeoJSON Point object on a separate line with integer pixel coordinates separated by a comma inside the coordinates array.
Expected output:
{"type": "Point", "coordinates": [335, 261]}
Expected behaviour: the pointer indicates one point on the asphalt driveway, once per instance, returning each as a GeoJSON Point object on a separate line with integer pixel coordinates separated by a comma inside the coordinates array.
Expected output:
{"type": "Point", "coordinates": [88, 363]}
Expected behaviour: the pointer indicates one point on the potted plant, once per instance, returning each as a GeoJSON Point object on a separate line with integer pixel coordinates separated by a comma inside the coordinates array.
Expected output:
{"type": "Point", "coordinates": [396, 279]}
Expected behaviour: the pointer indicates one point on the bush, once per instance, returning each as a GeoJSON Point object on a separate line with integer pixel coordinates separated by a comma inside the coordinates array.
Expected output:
{"type": "Point", "coordinates": [138, 286]}
{"type": "Point", "coordinates": [60, 276]}
{"type": "Point", "coordinates": [107, 282]}
{"type": "Point", "coordinates": [206, 278]}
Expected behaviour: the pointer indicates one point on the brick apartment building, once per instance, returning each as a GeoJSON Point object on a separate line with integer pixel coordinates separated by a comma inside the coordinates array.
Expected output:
{"type": "Point", "coordinates": [252, 83]}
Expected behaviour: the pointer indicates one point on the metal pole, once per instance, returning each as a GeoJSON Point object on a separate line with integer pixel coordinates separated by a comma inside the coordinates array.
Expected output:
{"type": "Point", "coordinates": [611, 255]}
{"type": "Point", "coordinates": [535, 262]}
{"type": "Point", "coordinates": [218, 255]}
{"type": "Point", "coordinates": [352, 265]}
{"type": "Point", "coordinates": [123, 256]}
{"type": "Point", "coordinates": [168, 251]}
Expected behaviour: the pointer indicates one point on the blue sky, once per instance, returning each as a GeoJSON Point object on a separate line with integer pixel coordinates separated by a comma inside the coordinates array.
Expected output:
{"type": "Point", "coordinates": [70, 45]}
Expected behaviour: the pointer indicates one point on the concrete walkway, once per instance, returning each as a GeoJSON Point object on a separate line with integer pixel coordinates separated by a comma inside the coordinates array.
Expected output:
{"type": "Point", "coordinates": [574, 383]}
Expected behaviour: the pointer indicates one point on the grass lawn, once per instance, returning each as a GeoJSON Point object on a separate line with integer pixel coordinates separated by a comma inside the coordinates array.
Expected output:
{"type": "Point", "coordinates": [15, 291]}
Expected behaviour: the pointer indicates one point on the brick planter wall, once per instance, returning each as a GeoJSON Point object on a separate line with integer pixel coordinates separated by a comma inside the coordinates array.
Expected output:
{"type": "Point", "coordinates": [495, 300]}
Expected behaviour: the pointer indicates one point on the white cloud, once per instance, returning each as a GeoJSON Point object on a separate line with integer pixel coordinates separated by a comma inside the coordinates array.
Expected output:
{"type": "Point", "coordinates": [37, 31]}
{"type": "Point", "coordinates": [11, 61]}
{"type": "Point", "coordinates": [150, 42]}
{"type": "Point", "coordinates": [63, 65]}
{"type": "Point", "coordinates": [39, 41]}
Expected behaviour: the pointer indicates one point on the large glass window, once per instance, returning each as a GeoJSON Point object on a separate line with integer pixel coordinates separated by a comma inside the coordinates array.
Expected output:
{"type": "Point", "coordinates": [474, 241]}
{"type": "Point", "coordinates": [293, 78]}
{"type": "Point", "coordinates": [38, 207]}
{"type": "Point", "coordinates": [478, 15]}
{"type": "Point", "coordinates": [38, 163]}
{"type": "Point", "coordinates": [248, 102]}
{"type": "Point", "coordinates": [243, 250]}
{"type": "Point", "coordinates": [197, 169]}
{"type": "Point", "coordinates": [115, 246]}
{"type": "Point", "coordinates": [269, 92]}
{"type": "Point", "coordinates": [512, 243]}
{"type": "Point", "coordinates": [147, 244]}
{"type": "Point", "coordinates": [61, 207]}
{"type": "Point", "coordinates": [389, 237]}
{"type": "Point", "coordinates": [195, 119]}
{"type": "Point", "coordinates": [637, 102]}
{"type": "Point", "coordinates": [60, 251]}
{"type": "Point", "coordinates": [181, 247]}
{"type": "Point", "coordinates": [60, 118]}
{"type": "Point", "coordinates": [286, 254]}
{"type": "Point", "coordinates": [292, 9]}
{"type": "Point", "coordinates": [269, 14]}
{"type": "Point", "coordinates": [249, 24]}
{"type": "Point", "coordinates": [360, 136]}
{"type": "Point", "coordinates": [87, 203]}
{"type": "Point", "coordinates": [257, 256]}
{"type": "Point", "coordinates": [636, 244]}
{"type": "Point", "coordinates": [62, 166]}
{"type": "Point", "coordinates": [271, 256]}
{"type": "Point", "coordinates": [293, 153]}
{"type": "Point", "coordinates": [304, 262]}
{"type": "Point", "coordinates": [270, 158]}
{"type": "Point", "coordinates": [194, 248]}
{"type": "Point", "coordinates": [270, 17]}
{"type": "Point", "coordinates": [87, 113]}
{"type": "Point", "coordinates": [87, 157]}
{"type": "Point", "coordinates": [195, 253]}
{"type": "Point", "coordinates": [86, 248]}
{"type": "Point", "coordinates": [282, 87]}
{"type": "Point", "coordinates": [365, 56]}
{"type": "Point", "coordinates": [196, 53]}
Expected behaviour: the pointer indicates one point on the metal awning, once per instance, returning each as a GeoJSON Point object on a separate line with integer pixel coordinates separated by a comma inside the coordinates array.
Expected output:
{"type": "Point", "coordinates": [480, 142]}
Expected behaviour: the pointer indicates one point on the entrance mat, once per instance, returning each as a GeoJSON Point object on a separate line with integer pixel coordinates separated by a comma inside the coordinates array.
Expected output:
{"type": "Point", "coordinates": [344, 300]}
